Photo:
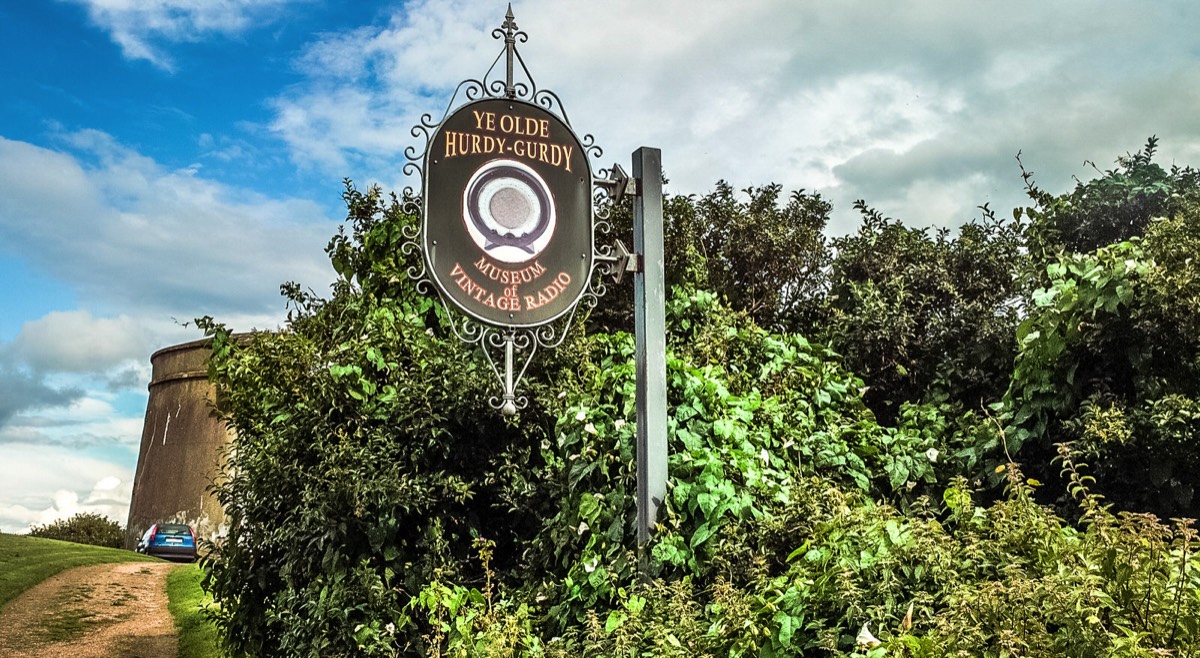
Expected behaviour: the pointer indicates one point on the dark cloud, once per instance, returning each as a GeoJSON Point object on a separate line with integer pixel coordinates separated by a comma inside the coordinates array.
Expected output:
{"type": "Point", "coordinates": [22, 391]}
{"type": "Point", "coordinates": [124, 380]}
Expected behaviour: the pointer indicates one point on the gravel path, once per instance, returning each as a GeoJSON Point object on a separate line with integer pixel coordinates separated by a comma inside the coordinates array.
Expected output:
{"type": "Point", "coordinates": [101, 611]}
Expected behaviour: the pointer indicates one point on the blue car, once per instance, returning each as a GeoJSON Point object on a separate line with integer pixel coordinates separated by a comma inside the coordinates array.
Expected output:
{"type": "Point", "coordinates": [173, 541]}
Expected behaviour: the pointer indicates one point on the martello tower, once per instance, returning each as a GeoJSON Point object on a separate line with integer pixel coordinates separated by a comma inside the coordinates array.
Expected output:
{"type": "Point", "coordinates": [182, 444]}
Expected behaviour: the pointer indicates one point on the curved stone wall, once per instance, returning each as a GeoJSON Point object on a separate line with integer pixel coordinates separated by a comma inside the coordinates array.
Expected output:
{"type": "Point", "coordinates": [182, 443]}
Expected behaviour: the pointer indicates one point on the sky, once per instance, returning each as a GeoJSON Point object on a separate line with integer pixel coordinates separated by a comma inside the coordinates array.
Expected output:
{"type": "Point", "coordinates": [165, 160]}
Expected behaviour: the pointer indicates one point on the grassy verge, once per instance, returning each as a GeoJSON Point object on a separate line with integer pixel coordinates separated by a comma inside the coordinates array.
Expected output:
{"type": "Point", "coordinates": [197, 635]}
{"type": "Point", "coordinates": [27, 561]}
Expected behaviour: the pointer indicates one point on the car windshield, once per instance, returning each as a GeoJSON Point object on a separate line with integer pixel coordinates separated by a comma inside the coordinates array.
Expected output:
{"type": "Point", "coordinates": [171, 529]}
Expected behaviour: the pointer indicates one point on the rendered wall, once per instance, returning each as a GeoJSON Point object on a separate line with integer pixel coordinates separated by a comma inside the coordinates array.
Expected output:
{"type": "Point", "coordinates": [182, 441]}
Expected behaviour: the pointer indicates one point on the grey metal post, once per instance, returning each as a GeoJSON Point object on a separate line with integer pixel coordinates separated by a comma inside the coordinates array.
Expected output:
{"type": "Point", "coordinates": [649, 301]}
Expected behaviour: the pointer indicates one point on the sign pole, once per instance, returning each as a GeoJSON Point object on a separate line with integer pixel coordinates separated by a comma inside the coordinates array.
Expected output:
{"type": "Point", "coordinates": [649, 300]}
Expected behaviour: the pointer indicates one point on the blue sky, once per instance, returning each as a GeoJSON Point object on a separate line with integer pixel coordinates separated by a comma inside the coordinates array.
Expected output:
{"type": "Point", "coordinates": [165, 160]}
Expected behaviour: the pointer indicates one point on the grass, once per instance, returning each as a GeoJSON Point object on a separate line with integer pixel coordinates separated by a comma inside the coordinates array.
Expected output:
{"type": "Point", "coordinates": [197, 635]}
{"type": "Point", "coordinates": [27, 561]}
{"type": "Point", "coordinates": [69, 619]}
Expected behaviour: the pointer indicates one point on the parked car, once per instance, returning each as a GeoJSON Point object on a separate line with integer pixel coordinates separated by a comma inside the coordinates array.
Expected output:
{"type": "Point", "coordinates": [174, 541]}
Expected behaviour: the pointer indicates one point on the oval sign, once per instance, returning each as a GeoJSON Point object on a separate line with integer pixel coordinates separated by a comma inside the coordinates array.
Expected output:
{"type": "Point", "coordinates": [508, 213]}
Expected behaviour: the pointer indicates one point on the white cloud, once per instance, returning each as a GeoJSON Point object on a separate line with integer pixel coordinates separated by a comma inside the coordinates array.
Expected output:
{"type": "Point", "coordinates": [40, 484]}
{"type": "Point", "coordinates": [163, 244]}
{"type": "Point", "coordinates": [136, 26]}
{"type": "Point", "coordinates": [123, 232]}
{"type": "Point", "coordinates": [811, 95]}
{"type": "Point", "coordinates": [76, 341]}
{"type": "Point", "coordinates": [86, 421]}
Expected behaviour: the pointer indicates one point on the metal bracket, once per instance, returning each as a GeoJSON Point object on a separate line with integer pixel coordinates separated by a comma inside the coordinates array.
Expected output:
{"type": "Point", "coordinates": [623, 261]}
{"type": "Point", "coordinates": [618, 184]}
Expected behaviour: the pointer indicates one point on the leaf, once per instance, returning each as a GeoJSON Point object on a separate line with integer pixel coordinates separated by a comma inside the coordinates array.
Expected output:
{"type": "Point", "coordinates": [614, 621]}
{"type": "Point", "coordinates": [702, 534]}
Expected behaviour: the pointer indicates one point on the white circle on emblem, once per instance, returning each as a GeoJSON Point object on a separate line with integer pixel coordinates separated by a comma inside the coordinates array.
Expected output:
{"type": "Point", "coordinates": [509, 211]}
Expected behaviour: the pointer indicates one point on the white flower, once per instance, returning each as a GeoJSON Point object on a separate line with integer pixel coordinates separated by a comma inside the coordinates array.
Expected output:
{"type": "Point", "coordinates": [390, 628]}
{"type": "Point", "coordinates": [581, 416]}
{"type": "Point", "coordinates": [765, 457]}
{"type": "Point", "coordinates": [589, 428]}
{"type": "Point", "coordinates": [583, 527]}
{"type": "Point", "coordinates": [562, 395]}
{"type": "Point", "coordinates": [866, 639]}
{"type": "Point", "coordinates": [932, 454]}
{"type": "Point", "coordinates": [592, 567]}
{"type": "Point", "coordinates": [620, 422]}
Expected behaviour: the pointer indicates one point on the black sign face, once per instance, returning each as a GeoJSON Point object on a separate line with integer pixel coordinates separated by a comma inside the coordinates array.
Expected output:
{"type": "Point", "coordinates": [508, 213]}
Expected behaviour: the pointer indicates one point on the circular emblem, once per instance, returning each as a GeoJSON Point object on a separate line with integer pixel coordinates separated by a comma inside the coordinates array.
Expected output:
{"type": "Point", "coordinates": [507, 223]}
{"type": "Point", "coordinates": [509, 211]}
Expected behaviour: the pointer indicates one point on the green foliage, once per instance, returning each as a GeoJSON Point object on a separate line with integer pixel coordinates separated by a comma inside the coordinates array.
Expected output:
{"type": "Point", "coordinates": [83, 528]}
{"type": "Point", "coordinates": [954, 579]}
{"type": "Point", "coordinates": [1060, 341]}
{"type": "Point", "coordinates": [741, 435]}
{"type": "Point", "coordinates": [1109, 357]}
{"type": "Point", "coordinates": [764, 256]}
{"type": "Point", "coordinates": [1117, 206]}
{"type": "Point", "coordinates": [925, 318]}
{"type": "Point", "coordinates": [833, 498]}
{"type": "Point", "coordinates": [367, 458]}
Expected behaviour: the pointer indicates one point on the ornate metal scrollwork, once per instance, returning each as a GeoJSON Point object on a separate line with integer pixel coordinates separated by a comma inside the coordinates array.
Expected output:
{"type": "Point", "coordinates": [508, 350]}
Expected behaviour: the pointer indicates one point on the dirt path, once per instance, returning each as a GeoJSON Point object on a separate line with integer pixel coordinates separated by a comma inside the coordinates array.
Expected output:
{"type": "Point", "coordinates": [102, 611]}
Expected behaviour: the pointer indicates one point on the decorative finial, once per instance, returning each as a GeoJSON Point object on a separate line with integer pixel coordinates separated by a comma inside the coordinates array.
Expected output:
{"type": "Point", "coordinates": [510, 25]}
{"type": "Point", "coordinates": [510, 46]}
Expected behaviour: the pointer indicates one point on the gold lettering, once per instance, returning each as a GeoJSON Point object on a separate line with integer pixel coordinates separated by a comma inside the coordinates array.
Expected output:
{"type": "Point", "coordinates": [527, 274]}
{"type": "Point", "coordinates": [550, 292]}
{"type": "Point", "coordinates": [529, 144]}
{"type": "Point", "coordinates": [508, 304]}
